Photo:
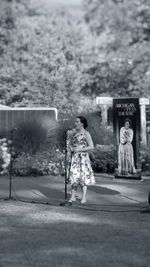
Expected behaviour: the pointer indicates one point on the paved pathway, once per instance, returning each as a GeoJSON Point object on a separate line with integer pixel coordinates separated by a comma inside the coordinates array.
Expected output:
{"type": "Point", "coordinates": [107, 191]}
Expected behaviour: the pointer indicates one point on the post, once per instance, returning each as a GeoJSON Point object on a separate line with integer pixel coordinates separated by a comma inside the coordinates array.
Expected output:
{"type": "Point", "coordinates": [104, 103]}
{"type": "Point", "coordinates": [143, 103]}
{"type": "Point", "coordinates": [10, 171]}
{"type": "Point", "coordinates": [66, 202]}
{"type": "Point", "coordinates": [104, 115]}
{"type": "Point", "coordinates": [66, 166]}
{"type": "Point", "coordinates": [143, 124]}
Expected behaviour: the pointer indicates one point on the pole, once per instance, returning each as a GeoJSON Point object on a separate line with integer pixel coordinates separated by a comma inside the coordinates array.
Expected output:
{"type": "Point", "coordinates": [66, 202]}
{"type": "Point", "coordinates": [10, 168]}
{"type": "Point", "coordinates": [66, 166]}
{"type": "Point", "coordinates": [147, 209]}
{"type": "Point", "coordinates": [10, 171]}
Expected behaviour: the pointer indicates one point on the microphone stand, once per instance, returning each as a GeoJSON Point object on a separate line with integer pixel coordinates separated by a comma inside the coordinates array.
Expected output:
{"type": "Point", "coordinates": [147, 209]}
{"type": "Point", "coordinates": [66, 202]}
{"type": "Point", "coordinates": [11, 163]}
{"type": "Point", "coordinates": [10, 174]}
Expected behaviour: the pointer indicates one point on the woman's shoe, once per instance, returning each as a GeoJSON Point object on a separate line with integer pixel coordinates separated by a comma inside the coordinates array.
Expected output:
{"type": "Point", "coordinates": [83, 201]}
{"type": "Point", "coordinates": [72, 200]}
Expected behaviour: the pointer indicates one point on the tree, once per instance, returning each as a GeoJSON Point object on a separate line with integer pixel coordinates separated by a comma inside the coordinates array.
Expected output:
{"type": "Point", "coordinates": [121, 30]}
{"type": "Point", "coordinates": [42, 64]}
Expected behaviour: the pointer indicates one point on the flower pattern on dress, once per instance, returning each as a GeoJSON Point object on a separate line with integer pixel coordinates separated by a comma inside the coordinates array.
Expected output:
{"type": "Point", "coordinates": [79, 171]}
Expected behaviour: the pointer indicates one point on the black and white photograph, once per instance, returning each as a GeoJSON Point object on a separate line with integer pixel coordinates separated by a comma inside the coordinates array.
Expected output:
{"type": "Point", "coordinates": [74, 133]}
{"type": "Point", "coordinates": [127, 136]}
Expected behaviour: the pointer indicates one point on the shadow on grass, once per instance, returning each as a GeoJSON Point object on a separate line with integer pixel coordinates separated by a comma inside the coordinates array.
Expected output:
{"type": "Point", "coordinates": [35, 235]}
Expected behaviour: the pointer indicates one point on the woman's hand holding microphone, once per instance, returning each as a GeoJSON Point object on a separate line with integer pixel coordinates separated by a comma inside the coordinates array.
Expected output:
{"type": "Point", "coordinates": [77, 149]}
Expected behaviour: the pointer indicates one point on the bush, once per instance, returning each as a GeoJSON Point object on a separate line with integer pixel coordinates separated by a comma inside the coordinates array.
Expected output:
{"type": "Point", "coordinates": [35, 148]}
{"type": "Point", "coordinates": [4, 156]}
{"type": "Point", "coordinates": [41, 163]}
{"type": "Point", "coordinates": [34, 134]}
{"type": "Point", "coordinates": [145, 159]}
{"type": "Point", "coordinates": [102, 161]}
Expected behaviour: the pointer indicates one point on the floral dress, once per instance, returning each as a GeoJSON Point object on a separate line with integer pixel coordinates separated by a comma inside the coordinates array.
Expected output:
{"type": "Point", "coordinates": [80, 171]}
{"type": "Point", "coordinates": [125, 152]}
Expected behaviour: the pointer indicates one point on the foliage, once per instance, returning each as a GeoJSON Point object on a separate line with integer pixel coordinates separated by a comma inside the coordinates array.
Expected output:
{"type": "Point", "coordinates": [121, 32]}
{"type": "Point", "coordinates": [125, 19]}
{"type": "Point", "coordinates": [41, 163]}
{"type": "Point", "coordinates": [34, 148]}
{"type": "Point", "coordinates": [102, 161]}
{"type": "Point", "coordinates": [42, 63]}
{"type": "Point", "coordinates": [51, 58]}
{"type": "Point", "coordinates": [4, 156]}
{"type": "Point", "coordinates": [109, 78]}
{"type": "Point", "coordinates": [33, 135]}
{"type": "Point", "coordinates": [145, 159]}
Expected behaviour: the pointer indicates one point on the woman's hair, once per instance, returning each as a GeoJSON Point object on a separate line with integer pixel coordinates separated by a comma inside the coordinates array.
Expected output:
{"type": "Point", "coordinates": [84, 121]}
{"type": "Point", "coordinates": [129, 121]}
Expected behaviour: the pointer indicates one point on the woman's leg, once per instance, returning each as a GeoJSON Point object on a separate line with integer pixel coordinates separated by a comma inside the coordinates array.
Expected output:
{"type": "Point", "coordinates": [73, 193]}
{"type": "Point", "coordinates": [84, 191]}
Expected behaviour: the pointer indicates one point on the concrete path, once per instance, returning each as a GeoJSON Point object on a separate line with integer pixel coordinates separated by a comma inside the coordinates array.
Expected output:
{"type": "Point", "coordinates": [107, 191]}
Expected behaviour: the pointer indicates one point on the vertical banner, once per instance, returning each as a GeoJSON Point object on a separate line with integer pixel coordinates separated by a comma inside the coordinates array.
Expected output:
{"type": "Point", "coordinates": [126, 126]}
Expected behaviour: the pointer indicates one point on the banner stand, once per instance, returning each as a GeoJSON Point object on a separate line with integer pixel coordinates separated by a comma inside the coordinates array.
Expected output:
{"type": "Point", "coordinates": [126, 128]}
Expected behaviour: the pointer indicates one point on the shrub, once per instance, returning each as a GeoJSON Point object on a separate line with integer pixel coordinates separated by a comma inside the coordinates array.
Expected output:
{"type": "Point", "coordinates": [34, 148]}
{"type": "Point", "coordinates": [4, 156]}
{"type": "Point", "coordinates": [102, 161]}
{"type": "Point", "coordinates": [41, 163]}
{"type": "Point", "coordinates": [145, 159]}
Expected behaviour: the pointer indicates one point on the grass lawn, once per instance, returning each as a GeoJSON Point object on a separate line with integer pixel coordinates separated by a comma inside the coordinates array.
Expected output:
{"type": "Point", "coordinates": [41, 235]}
{"type": "Point", "coordinates": [107, 231]}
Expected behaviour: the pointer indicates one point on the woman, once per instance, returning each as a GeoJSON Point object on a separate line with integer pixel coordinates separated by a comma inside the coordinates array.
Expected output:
{"type": "Point", "coordinates": [125, 151]}
{"type": "Point", "coordinates": [79, 144]}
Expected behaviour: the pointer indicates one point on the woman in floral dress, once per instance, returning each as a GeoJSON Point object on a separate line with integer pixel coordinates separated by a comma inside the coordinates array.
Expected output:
{"type": "Point", "coordinates": [80, 171]}
{"type": "Point", "coordinates": [125, 151]}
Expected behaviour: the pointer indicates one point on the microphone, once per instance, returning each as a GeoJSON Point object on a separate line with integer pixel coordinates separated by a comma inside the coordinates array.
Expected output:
{"type": "Point", "coordinates": [69, 129]}
{"type": "Point", "coordinates": [14, 129]}
{"type": "Point", "coordinates": [72, 130]}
